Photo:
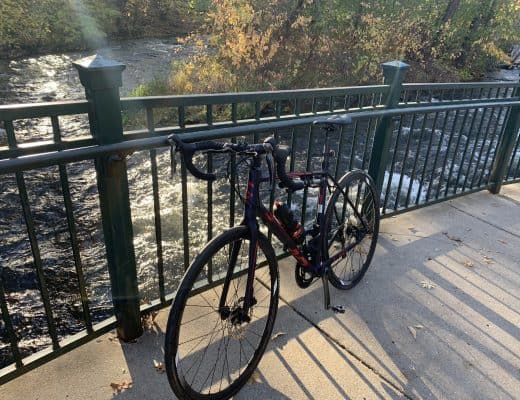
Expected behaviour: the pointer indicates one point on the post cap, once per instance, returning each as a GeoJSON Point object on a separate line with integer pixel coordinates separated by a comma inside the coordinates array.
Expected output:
{"type": "Point", "coordinates": [394, 72]}
{"type": "Point", "coordinates": [97, 72]}
{"type": "Point", "coordinates": [396, 64]}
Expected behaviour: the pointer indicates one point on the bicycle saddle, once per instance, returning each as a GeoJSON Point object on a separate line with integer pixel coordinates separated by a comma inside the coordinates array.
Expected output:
{"type": "Point", "coordinates": [341, 119]}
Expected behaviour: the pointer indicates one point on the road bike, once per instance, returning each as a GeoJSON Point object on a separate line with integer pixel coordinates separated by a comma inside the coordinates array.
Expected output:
{"type": "Point", "coordinates": [223, 314]}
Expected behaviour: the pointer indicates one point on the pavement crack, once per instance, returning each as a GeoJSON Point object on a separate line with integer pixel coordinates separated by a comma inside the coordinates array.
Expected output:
{"type": "Point", "coordinates": [331, 339]}
{"type": "Point", "coordinates": [486, 221]}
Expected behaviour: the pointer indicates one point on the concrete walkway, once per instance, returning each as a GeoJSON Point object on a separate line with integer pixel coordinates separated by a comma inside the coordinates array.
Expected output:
{"type": "Point", "coordinates": [436, 317]}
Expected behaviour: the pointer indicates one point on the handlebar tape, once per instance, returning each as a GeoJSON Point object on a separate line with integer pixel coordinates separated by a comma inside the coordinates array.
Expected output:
{"type": "Point", "coordinates": [189, 149]}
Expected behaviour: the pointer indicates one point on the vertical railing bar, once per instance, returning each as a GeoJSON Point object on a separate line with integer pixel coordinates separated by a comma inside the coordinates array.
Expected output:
{"type": "Point", "coordinates": [307, 168]}
{"type": "Point", "coordinates": [453, 127]}
{"type": "Point", "coordinates": [339, 154]}
{"type": "Point", "coordinates": [314, 104]}
{"type": "Point", "coordinates": [417, 93]}
{"type": "Point", "coordinates": [292, 163]}
{"type": "Point", "coordinates": [209, 114]}
{"type": "Point", "coordinates": [392, 164]}
{"type": "Point", "coordinates": [182, 116]}
{"type": "Point", "coordinates": [272, 191]}
{"type": "Point", "coordinates": [346, 104]}
{"type": "Point", "coordinates": [468, 143]}
{"type": "Point", "coordinates": [405, 96]}
{"type": "Point", "coordinates": [156, 208]}
{"type": "Point", "coordinates": [443, 133]}
{"type": "Point", "coordinates": [480, 93]}
{"type": "Point", "coordinates": [399, 187]}
{"type": "Point", "coordinates": [232, 188]}
{"type": "Point", "coordinates": [427, 157]}
{"type": "Point", "coordinates": [452, 164]}
{"type": "Point", "coordinates": [278, 108]}
{"type": "Point", "coordinates": [11, 334]}
{"type": "Point", "coordinates": [441, 97]}
{"type": "Point", "coordinates": [210, 213]}
{"type": "Point", "coordinates": [37, 259]}
{"type": "Point", "coordinates": [257, 110]}
{"type": "Point", "coordinates": [354, 143]}
{"type": "Point", "coordinates": [500, 133]}
{"type": "Point", "coordinates": [56, 132]}
{"type": "Point", "coordinates": [11, 137]}
{"type": "Point", "coordinates": [234, 117]}
{"type": "Point", "coordinates": [488, 152]}
{"type": "Point", "coordinates": [331, 103]}
{"type": "Point", "coordinates": [184, 196]}
{"type": "Point", "coordinates": [414, 169]}
{"type": "Point", "coordinates": [367, 140]}
{"type": "Point", "coordinates": [361, 100]}
{"type": "Point", "coordinates": [297, 106]}
{"type": "Point", "coordinates": [234, 112]}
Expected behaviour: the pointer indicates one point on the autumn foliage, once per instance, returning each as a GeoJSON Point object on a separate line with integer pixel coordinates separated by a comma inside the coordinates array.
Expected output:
{"type": "Point", "coordinates": [278, 44]}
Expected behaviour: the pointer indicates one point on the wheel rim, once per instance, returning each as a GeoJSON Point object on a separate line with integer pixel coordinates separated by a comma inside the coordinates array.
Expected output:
{"type": "Point", "coordinates": [349, 228]}
{"type": "Point", "coordinates": [213, 348]}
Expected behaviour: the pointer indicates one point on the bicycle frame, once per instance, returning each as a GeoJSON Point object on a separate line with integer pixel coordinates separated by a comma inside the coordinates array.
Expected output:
{"type": "Point", "coordinates": [254, 209]}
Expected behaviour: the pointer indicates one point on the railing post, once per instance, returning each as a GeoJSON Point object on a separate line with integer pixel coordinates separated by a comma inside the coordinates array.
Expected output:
{"type": "Point", "coordinates": [505, 148]}
{"type": "Point", "coordinates": [394, 73]}
{"type": "Point", "coordinates": [102, 79]}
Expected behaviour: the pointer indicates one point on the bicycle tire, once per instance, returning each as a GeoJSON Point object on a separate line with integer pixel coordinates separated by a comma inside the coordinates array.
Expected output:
{"type": "Point", "coordinates": [239, 337]}
{"type": "Point", "coordinates": [344, 227]}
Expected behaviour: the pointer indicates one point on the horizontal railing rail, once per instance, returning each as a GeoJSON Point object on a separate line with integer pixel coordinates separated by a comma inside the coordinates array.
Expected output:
{"type": "Point", "coordinates": [420, 145]}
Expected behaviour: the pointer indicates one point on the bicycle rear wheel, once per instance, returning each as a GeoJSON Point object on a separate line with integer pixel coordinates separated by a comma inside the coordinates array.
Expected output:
{"type": "Point", "coordinates": [210, 352]}
{"type": "Point", "coordinates": [351, 223]}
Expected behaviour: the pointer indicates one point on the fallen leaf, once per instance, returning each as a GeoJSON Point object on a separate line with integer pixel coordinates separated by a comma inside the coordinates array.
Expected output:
{"type": "Point", "coordinates": [418, 326]}
{"type": "Point", "coordinates": [255, 378]}
{"type": "Point", "coordinates": [488, 260]}
{"type": "Point", "coordinates": [113, 338]}
{"type": "Point", "coordinates": [469, 264]}
{"type": "Point", "coordinates": [277, 335]}
{"type": "Point", "coordinates": [427, 285]}
{"type": "Point", "coordinates": [413, 331]}
{"type": "Point", "coordinates": [502, 241]}
{"type": "Point", "coordinates": [121, 387]}
{"type": "Point", "coordinates": [159, 366]}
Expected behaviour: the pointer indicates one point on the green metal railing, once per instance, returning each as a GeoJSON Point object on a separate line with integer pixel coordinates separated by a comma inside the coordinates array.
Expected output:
{"type": "Point", "coordinates": [422, 143]}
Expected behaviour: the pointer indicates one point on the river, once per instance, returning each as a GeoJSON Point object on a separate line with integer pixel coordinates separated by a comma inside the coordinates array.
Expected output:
{"type": "Point", "coordinates": [52, 78]}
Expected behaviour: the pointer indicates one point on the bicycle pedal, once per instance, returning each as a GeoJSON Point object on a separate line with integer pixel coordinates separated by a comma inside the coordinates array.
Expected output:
{"type": "Point", "coordinates": [338, 309]}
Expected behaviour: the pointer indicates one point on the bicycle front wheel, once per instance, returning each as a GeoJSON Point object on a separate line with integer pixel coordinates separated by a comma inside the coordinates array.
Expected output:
{"type": "Point", "coordinates": [211, 349]}
{"type": "Point", "coordinates": [352, 226]}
